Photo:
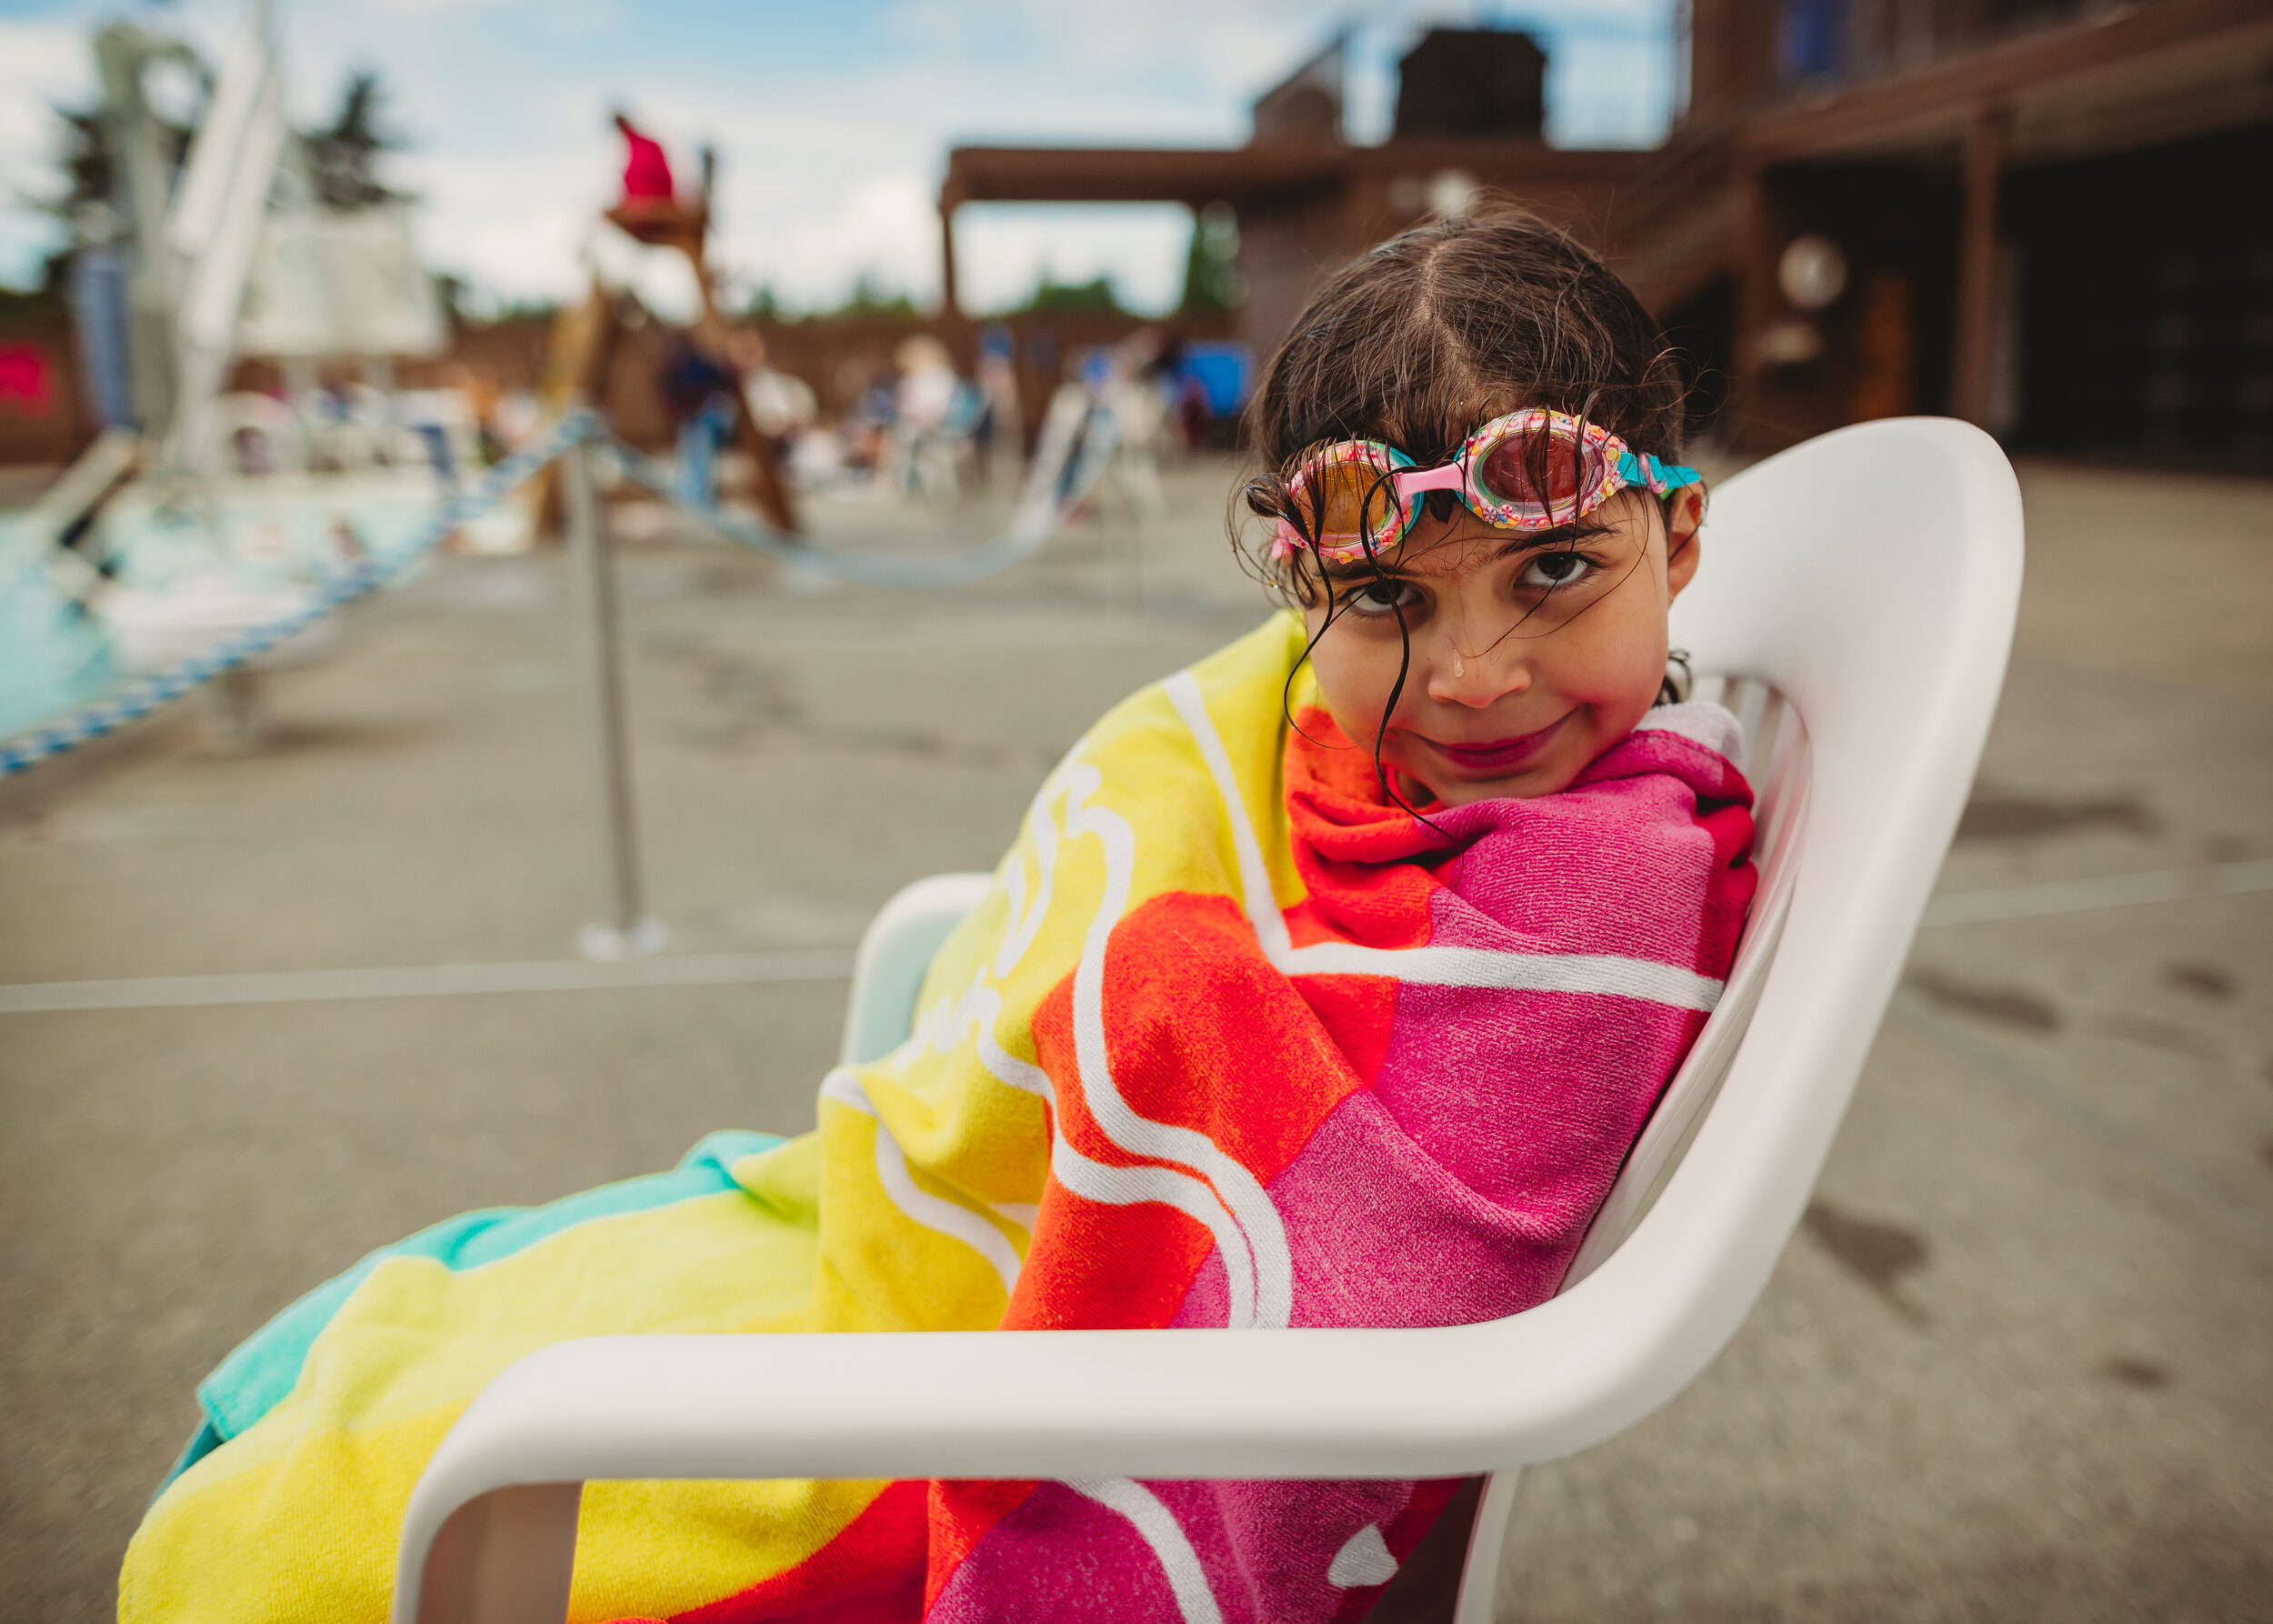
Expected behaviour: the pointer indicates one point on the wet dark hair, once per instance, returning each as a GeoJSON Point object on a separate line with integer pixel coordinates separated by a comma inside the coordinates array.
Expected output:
{"type": "Point", "coordinates": [1426, 337]}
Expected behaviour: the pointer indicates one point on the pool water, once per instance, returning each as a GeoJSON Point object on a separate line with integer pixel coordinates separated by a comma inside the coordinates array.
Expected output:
{"type": "Point", "coordinates": [181, 579]}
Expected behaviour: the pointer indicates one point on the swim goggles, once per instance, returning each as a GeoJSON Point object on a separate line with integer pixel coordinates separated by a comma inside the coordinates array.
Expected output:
{"type": "Point", "coordinates": [1529, 470]}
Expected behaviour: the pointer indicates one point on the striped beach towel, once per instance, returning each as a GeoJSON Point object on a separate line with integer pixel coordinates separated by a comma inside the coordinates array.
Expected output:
{"type": "Point", "coordinates": [1229, 1042]}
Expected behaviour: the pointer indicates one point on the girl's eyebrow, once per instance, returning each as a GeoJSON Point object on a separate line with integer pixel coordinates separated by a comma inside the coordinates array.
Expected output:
{"type": "Point", "coordinates": [1562, 536]}
{"type": "Point", "coordinates": [1359, 569]}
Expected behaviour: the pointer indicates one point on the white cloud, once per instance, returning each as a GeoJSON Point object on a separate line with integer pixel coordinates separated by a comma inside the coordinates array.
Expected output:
{"type": "Point", "coordinates": [1225, 50]}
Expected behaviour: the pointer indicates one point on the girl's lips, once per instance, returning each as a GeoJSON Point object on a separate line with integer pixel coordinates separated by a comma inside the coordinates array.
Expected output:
{"type": "Point", "coordinates": [1499, 756]}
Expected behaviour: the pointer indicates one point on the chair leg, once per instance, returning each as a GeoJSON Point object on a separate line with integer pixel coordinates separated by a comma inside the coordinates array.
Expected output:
{"type": "Point", "coordinates": [1479, 1579]}
{"type": "Point", "coordinates": [504, 1559]}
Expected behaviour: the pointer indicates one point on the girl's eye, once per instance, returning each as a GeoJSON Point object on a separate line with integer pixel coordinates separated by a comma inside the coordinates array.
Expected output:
{"type": "Point", "coordinates": [1379, 597]}
{"type": "Point", "coordinates": [1549, 570]}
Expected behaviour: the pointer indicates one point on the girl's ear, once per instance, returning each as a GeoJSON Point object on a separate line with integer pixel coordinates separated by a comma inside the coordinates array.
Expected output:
{"type": "Point", "coordinates": [1685, 512]}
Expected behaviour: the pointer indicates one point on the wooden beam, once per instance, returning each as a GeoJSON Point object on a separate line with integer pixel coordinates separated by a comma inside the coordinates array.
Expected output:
{"type": "Point", "coordinates": [1136, 174]}
{"type": "Point", "coordinates": [950, 307]}
{"type": "Point", "coordinates": [1261, 174]}
{"type": "Point", "coordinates": [1756, 302]}
{"type": "Point", "coordinates": [1986, 138]}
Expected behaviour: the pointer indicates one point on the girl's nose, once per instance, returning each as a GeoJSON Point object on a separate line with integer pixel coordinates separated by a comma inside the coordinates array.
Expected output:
{"type": "Point", "coordinates": [1455, 677]}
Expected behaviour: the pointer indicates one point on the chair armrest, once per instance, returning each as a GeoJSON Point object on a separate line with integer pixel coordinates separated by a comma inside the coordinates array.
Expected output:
{"type": "Point", "coordinates": [1044, 1405]}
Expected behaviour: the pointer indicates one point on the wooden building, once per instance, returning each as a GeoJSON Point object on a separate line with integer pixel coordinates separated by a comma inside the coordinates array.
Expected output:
{"type": "Point", "coordinates": [1306, 200]}
{"type": "Point", "coordinates": [2050, 217]}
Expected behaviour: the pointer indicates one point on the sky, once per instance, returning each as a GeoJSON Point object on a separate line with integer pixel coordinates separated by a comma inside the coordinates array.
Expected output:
{"type": "Point", "coordinates": [833, 121]}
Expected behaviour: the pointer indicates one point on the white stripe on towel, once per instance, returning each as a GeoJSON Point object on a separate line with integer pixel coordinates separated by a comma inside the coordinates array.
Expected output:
{"type": "Point", "coordinates": [1512, 972]}
{"type": "Point", "coordinates": [920, 1206]}
{"type": "Point", "coordinates": [1157, 1527]}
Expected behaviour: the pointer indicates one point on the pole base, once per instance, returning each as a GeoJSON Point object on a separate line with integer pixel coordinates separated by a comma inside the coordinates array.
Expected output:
{"type": "Point", "coordinates": [607, 944]}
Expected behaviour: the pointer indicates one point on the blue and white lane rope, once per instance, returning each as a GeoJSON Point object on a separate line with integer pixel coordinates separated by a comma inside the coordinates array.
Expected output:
{"type": "Point", "coordinates": [144, 695]}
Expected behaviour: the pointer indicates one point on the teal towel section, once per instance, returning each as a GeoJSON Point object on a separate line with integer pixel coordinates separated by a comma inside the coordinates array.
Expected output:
{"type": "Point", "coordinates": [256, 1378]}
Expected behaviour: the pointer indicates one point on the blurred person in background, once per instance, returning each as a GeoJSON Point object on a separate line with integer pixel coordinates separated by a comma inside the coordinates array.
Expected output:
{"type": "Point", "coordinates": [874, 408]}
{"type": "Point", "coordinates": [646, 170]}
{"type": "Point", "coordinates": [934, 411]}
{"type": "Point", "coordinates": [1001, 433]}
{"type": "Point", "coordinates": [782, 405]}
{"type": "Point", "coordinates": [698, 389]}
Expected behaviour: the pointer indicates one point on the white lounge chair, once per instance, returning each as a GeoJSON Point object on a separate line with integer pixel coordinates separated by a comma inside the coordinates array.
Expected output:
{"type": "Point", "coordinates": [1856, 604]}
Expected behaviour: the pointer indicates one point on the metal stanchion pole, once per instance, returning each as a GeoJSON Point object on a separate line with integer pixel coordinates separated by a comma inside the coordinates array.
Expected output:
{"type": "Point", "coordinates": [626, 931]}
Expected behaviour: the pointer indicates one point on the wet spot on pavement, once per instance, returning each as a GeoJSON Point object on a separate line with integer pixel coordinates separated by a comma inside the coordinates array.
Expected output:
{"type": "Point", "coordinates": [2014, 1007]}
{"type": "Point", "coordinates": [1879, 1255]}
{"type": "Point", "coordinates": [2144, 1374]}
{"type": "Point", "coordinates": [2207, 980]}
{"type": "Point", "coordinates": [338, 734]}
{"type": "Point", "coordinates": [750, 701]}
{"type": "Point", "coordinates": [1991, 815]}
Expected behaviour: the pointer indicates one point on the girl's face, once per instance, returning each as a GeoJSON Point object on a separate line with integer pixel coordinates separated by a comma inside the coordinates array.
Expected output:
{"type": "Point", "coordinates": [1532, 653]}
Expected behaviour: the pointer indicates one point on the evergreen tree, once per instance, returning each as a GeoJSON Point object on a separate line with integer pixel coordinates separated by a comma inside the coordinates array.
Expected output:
{"type": "Point", "coordinates": [86, 170]}
{"type": "Point", "coordinates": [1211, 270]}
{"type": "Point", "coordinates": [344, 156]}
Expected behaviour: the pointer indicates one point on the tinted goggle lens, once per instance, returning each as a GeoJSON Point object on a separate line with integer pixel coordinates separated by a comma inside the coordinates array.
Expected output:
{"type": "Point", "coordinates": [1345, 500]}
{"type": "Point", "coordinates": [1544, 476]}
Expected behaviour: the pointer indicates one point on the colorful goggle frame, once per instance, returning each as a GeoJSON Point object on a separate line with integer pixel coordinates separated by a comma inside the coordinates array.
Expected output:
{"type": "Point", "coordinates": [1365, 490]}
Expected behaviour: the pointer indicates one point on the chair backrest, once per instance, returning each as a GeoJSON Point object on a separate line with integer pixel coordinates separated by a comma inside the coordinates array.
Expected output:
{"type": "Point", "coordinates": [895, 951]}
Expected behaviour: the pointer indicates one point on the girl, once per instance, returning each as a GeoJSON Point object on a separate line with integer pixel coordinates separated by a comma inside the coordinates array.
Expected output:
{"type": "Point", "coordinates": [1327, 983]}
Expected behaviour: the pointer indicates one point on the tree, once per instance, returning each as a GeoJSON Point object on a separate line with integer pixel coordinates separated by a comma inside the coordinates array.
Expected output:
{"type": "Point", "coordinates": [344, 157]}
{"type": "Point", "coordinates": [870, 301]}
{"type": "Point", "coordinates": [84, 162]}
{"type": "Point", "coordinates": [85, 167]}
{"type": "Point", "coordinates": [1053, 298]}
{"type": "Point", "coordinates": [1211, 269]}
